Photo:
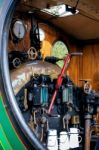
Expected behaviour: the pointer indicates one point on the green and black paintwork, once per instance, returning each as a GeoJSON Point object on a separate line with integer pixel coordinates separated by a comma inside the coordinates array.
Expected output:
{"type": "Point", "coordinates": [9, 139]}
{"type": "Point", "coordinates": [14, 132]}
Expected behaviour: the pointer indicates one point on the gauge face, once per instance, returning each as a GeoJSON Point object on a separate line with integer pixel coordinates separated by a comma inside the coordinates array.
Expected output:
{"type": "Point", "coordinates": [19, 29]}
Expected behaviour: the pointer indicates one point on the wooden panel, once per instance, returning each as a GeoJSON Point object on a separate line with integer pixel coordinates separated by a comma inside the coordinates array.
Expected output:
{"type": "Point", "coordinates": [86, 66]}
{"type": "Point", "coordinates": [74, 66]}
{"type": "Point", "coordinates": [91, 64]}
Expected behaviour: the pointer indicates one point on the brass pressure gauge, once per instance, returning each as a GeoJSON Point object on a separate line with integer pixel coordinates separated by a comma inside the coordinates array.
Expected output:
{"type": "Point", "coordinates": [19, 29]}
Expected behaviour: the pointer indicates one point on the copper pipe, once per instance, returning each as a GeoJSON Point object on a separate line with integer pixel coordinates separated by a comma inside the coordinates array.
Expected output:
{"type": "Point", "coordinates": [87, 132]}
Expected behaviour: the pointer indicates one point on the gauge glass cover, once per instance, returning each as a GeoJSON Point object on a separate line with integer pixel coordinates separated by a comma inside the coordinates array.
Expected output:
{"type": "Point", "coordinates": [19, 29]}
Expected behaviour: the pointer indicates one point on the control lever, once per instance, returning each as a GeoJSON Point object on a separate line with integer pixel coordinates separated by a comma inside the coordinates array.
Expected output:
{"type": "Point", "coordinates": [60, 77]}
{"type": "Point", "coordinates": [52, 59]}
{"type": "Point", "coordinates": [76, 54]}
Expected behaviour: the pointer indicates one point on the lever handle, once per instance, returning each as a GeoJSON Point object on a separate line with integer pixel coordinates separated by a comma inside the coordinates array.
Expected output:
{"type": "Point", "coordinates": [76, 54]}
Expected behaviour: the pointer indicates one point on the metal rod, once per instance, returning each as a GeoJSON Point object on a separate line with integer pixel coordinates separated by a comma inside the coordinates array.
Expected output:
{"type": "Point", "coordinates": [87, 132]}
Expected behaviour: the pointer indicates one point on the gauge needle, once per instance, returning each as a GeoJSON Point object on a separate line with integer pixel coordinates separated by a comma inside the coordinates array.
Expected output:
{"type": "Point", "coordinates": [19, 33]}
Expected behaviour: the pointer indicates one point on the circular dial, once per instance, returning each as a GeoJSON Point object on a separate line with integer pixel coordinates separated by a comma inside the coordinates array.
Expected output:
{"type": "Point", "coordinates": [19, 29]}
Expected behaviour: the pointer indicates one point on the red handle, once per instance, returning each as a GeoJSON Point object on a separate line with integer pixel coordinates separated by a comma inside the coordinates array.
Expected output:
{"type": "Point", "coordinates": [59, 81]}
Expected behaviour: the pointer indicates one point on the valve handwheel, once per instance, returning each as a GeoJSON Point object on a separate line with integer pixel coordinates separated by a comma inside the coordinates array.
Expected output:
{"type": "Point", "coordinates": [16, 62]}
{"type": "Point", "coordinates": [32, 53]}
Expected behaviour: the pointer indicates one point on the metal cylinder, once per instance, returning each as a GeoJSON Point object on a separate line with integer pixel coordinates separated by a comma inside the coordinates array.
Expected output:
{"type": "Point", "coordinates": [44, 95]}
{"type": "Point", "coordinates": [65, 95]}
{"type": "Point", "coordinates": [87, 131]}
{"type": "Point", "coordinates": [70, 95]}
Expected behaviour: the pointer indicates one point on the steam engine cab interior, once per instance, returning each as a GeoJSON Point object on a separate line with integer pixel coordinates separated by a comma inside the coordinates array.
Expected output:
{"type": "Point", "coordinates": [52, 63]}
